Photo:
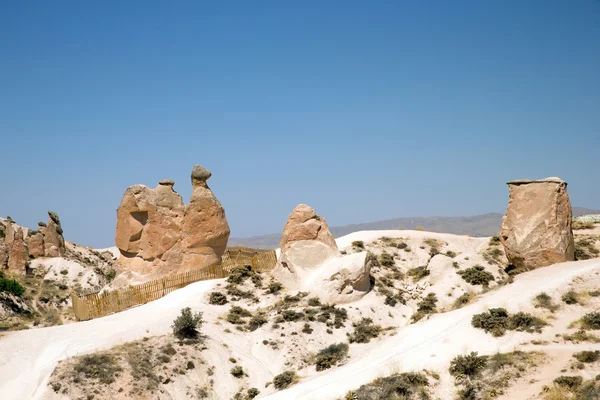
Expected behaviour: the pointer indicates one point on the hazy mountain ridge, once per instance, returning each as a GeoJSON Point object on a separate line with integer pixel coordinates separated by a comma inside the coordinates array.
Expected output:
{"type": "Point", "coordinates": [478, 225]}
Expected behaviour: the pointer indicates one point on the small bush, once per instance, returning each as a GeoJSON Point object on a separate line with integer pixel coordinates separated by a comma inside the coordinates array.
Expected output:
{"type": "Point", "coordinates": [451, 254]}
{"type": "Point", "coordinates": [569, 382]}
{"type": "Point", "coordinates": [543, 300]}
{"type": "Point", "coordinates": [594, 293]}
{"type": "Point", "coordinates": [425, 306]}
{"type": "Point", "coordinates": [11, 286]}
{"type": "Point", "coordinates": [257, 321]}
{"type": "Point", "coordinates": [291, 315]}
{"type": "Point", "coordinates": [525, 322]}
{"type": "Point", "coordinates": [570, 297]}
{"type": "Point", "coordinates": [187, 325]}
{"type": "Point", "coordinates": [330, 356]}
{"type": "Point", "coordinates": [462, 300]}
{"type": "Point", "coordinates": [236, 315]}
{"type": "Point", "coordinates": [284, 380]}
{"type": "Point", "coordinates": [307, 329]}
{"type": "Point", "coordinates": [494, 321]}
{"type": "Point", "coordinates": [418, 273]}
{"type": "Point", "coordinates": [314, 302]}
{"type": "Point", "coordinates": [253, 392]}
{"type": "Point", "coordinates": [476, 275]}
{"type": "Point", "coordinates": [340, 315]}
{"type": "Point", "coordinates": [103, 367]}
{"type": "Point", "coordinates": [386, 260]}
{"type": "Point", "coordinates": [407, 385]}
{"type": "Point", "coordinates": [468, 365]}
{"type": "Point", "coordinates": [587, 356]}
{"type": "Point", "coordinates": [577, 225]}
{"type": "Point", "coordinates": [110, 274]}
{"type": "Point", "coordinates": [274, 287]}
{"type": "Point", "coordinates": [237, 371]}
{"type": "Point", "coordinates": [240, 274]}
{"type": "Point", "coordinates": [591, 320]}
{"type": "Point", "coordinates": [358, 244]}
{"type": "Point", "coordinates": [217, 298]}
{"type": "Point", "coordinates": [364, 331]}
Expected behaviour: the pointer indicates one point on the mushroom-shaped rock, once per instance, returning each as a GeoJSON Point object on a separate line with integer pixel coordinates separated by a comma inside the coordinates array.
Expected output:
{"type": "Point", "coordinates": [54, 243]}
{"type": "Point", "coordinates": [536, 230]}
{"type": "Point", "coordinates": [205, 229]}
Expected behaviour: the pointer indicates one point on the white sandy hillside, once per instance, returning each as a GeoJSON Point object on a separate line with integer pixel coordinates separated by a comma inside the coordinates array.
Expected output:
{"type": "Point", "coordinates": [285, 329]}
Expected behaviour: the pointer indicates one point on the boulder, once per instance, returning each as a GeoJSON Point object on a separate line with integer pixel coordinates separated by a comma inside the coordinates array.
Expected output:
{"type": "Point", "coordinates": [536, 230]}
{"type": "Point", "coordinates": [18, 255]}
{"type": "Point", "coordinates": [310, 261]}
{"type": "Point", "coordinates": [205, 229]}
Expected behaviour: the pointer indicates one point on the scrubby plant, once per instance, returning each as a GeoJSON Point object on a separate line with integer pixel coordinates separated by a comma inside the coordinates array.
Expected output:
{"type": "Point", "coordinates": [330, 356]}
{"type": "Point", "coordinates": [451, 254]}
{"type": "Point", "coordinates": [307, 329]}
{"type": "Point", "coordinates": [358, 244]}
{"type": "Point", "coordinates": [587, 356]}
{"type": "Point", "coordinates": [418, 273]}
{"type": "Point", "coordinates": [476, 275]}
{"type": "Point", "coordinates": [386, 259]}
{"type": "Point", "coordinates": [407, 385]}
{"type": "Point", "coordinates": [570, 297]}
{"type": "Point", "coordinates": [591, 320]}
{"type": "Point", "coordinates": [291, 315]}
{"type": "Point", "coordinates": [237, 371]}
{"type": "Point", "coordinates": [569, 382]}
{"type": "Point", "coordinates": [340, 315]}
{"type": "Point", "coordinates": [314, 302]}
{"type": "Point", "coordinates": [525, 322]}
{"type": "Point", "coordinates": [494, 321]}
{"type": "Point", "coordinates": [252, 393]}
{"type": "Point", "coordinates": [274, 287]}
{"type": "Point", "coordinates": [237, 314]}
{"type": "Point", "coordinates": [467, 365]}
{"type": "Point", "coordinates": [364, 331]}
{"type": "Point", "coordinates": [217, 298]}
{"type": "Point", "coordinates": [594, 293]}
{"type": "Point", "coordinates": [462, 300]}
{"type": "Point", "coordinates": [578, 225]}
{"type": "Point", "coordinates": [187, 325]}
{"type": "Point", "coordinates": [11, 286]}
{"type": "Point", "coordinates": [258, 320]}
{"type": "Point", "coordinates": [103, 367]}
{"type": "Point", "coordinates": [110, 274]}
{"type": "Point", "coordinates": [240, 274]}
{"type": "Point", "coordinates": [426, 306]}
{"type": "Point", "coordinates": [543, 300]}
{"type": "Point", "coordinates": [285, 380]}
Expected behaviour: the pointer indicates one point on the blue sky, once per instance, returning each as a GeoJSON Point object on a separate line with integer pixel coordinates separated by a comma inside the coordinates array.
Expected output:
{"type": "Point", "coordinates": [365, 110]}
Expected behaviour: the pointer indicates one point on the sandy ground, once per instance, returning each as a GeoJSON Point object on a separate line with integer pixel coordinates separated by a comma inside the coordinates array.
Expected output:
{"type": "Point", "coordinates": [27, 358]}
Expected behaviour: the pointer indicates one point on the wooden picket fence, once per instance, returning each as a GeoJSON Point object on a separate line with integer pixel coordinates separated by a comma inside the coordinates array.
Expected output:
{"type": "Point", "coordinates": [94, 305]}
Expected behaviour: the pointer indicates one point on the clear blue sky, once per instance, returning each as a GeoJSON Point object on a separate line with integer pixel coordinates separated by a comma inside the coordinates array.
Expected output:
{"type": "Point", "coordinates": [365, 110]}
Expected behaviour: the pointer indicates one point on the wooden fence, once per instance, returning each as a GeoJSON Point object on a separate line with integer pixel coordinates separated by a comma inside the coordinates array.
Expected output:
{"type": "Point", "coordinates": [96, 305]}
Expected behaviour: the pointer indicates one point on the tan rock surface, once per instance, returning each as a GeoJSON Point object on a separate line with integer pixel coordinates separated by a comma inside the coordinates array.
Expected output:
{"type": "Point", "coordinates": [304, 224]}
{"type": "Point", "coordinates": [18, 255]}
{"type": "Point", "coordinates": [536, 230]}
{"type": "Point", "coordinates": [35, 244]}
{"type": "Point", "coordinates": [54, 243]}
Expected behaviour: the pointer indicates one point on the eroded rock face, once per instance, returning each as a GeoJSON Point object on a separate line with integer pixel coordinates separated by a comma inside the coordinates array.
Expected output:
{"type": "Point", "coordinates": [157, 232]}
{"type": "Point", "coordinates": [54, 243]}
{"type": "Point", "coordinates": [536, 230]}
{"type": "Point", "coordinates": [311, 261]}
{"type": "Point", "coordinates": [18, 254]}
{"type": "Point", "coordinates": [35, 244]}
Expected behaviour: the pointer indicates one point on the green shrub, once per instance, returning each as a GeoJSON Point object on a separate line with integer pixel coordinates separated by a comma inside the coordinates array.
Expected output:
{"type": "Point", "coordinates": [307, 329]}
{"type": "Point", "coordinates": [240, 274]}
{"type": "Point", "coordinates": [476, 275]}
{"type": "Point", "coordinates": [236, 315]}
{"type": "Point", "coordinates": [386, 260]}
{"type": "Point", "coordinates": [525, 322]}
{"type": "Point", "coordinates": [330, 356]}
{"type": "Point", "coordinates": [543, 300]}
{"type": "Point", "coordinates": [284, 380]}
{"type": "Point", "coordinates": [425, 306]}
{"type": "Point", "coordinates": [340, 315]}
{"type": "Point", "coordinates": [569, 382]}
{"type": "Point", "coordinates": [252, 393]}
{"type": "Point", "coordinates": [258, 320]}
{"type": "Point", "coordinates": [11, 286]}
{"type": "Point", "coordinates": [407, 385]}
{"type": "Point", "coordinates": [494, 241]}
{"type": "Point", "coordinates": [237, 371]}
{"type": "Point", "coordinates": [364, 331]}
{"type": "Point", "coordinates": [103, 367]}
{"type": "Point", "coordinates": [462, 300]}
{"type": "Point", "coordinates": [217, 298]}
{"type": "Point", "coordinates": [494, 321]}
{"type": "Point", "coordinates": [359, 244]}
{"type": "Point", "coordinates": [468, 365]}
{"type": "Point", "coordinates": [274, 287]}
{"type": "Point", "coordinates": [291, 315]}
{"type": "Point", "coordinates": [418, 273]}
{"type": "Point", "coordinates": [187, 325]}
{"type": "Point", "coordinates": [587, 356]}
{"type": "Point", "coordinates": [451, 254]}
{"type": "Point", "coordinates": [468, 393]}
{"type": "Point", "coordinates": [594, 293]}
{"type": "Point", "coordinates": [591, 320]}
{"type": "Point", "coordinates": [570, 297]}
{"type": "Point", "coordinates": [314, 302]}
{"type": "Point", "coordinates": [110, 274]}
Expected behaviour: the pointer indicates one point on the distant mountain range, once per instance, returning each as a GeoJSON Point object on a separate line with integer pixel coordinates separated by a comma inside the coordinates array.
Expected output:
{"type": "Point", "coordinates": [478, 225]}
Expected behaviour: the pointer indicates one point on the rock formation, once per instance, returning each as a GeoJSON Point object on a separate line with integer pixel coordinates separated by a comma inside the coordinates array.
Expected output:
{"type": "Point", "coordinates": [54, 243]}
{"type": "Point", "coordinates": [157, 233]}
{"type": "Point", "coordinates": [18, 255]}
{"type": "Point", "coordinates": [310, 260]}
{"type": "Point", "coordinates": [35, 244]}
{"type": "Point", "coordinates": [536, 230]}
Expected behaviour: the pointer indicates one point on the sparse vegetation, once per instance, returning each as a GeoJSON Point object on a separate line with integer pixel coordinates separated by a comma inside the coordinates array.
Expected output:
{"type": "Point", "coordinates": [217, 298]}
{"type": "Point", "coordinates": [585, 247]}
{"type": "Point", "coordinates": [418, 273]}
{"type": "Point", "coordinates": [569, 382]}
{"type": "Point", "coordinates": [386, 260]}
{"type": "Point", "coordinates": [237, 371]}
{"type": "Point", "coordinates": [358, 244]}
{"type": "Point", "coordinates": [102, 366]}
{"type": "Point", "coordinates": [476, 275]}
{"type": "Point", "coordinates": [330, 356]}
{"type": "Point", "coordinates": [587, 356]}
{"type": "Point", "coordinates": [579, 225]}
{"type": "Point", "coordinates": [274, 287]}
{"type": "Point", "coordinates": [570, 297]}
{"type": "Point", "coordinates": [462, 300]}
{"type": "Point", "coordinates": [364, 331]}
{"type": "Point", "coordinates": [426, 306]}
{"type": "Point", "coordinates": [187, 325]}
{"type": "Point", "coordinates": [285, 380]}
{"type": "Point", "coordinates": [405, 386]}
{"type": "Point", "coordinates": [469, 365]}
{"type": "Point", "coordinates": [591, 320]}
{"type": "Point", "coordinates": [11, 286]}
{"type": "Point", "coordinates": [239, 274]}
{"type": "Point", "coordinates": [543, 300]}
{"type": "Point", "coordinates": [237, 314]}
{"type": "Point", "coordinates": [497, 321]}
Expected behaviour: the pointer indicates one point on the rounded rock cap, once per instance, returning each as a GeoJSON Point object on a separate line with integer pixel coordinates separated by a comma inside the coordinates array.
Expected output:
{"type": "Point", "coordinates": [166, 182]}
{"type": "Point", "coordinates": [200, 173]}
{"type": "Point", "coordinates": [552, 179]}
